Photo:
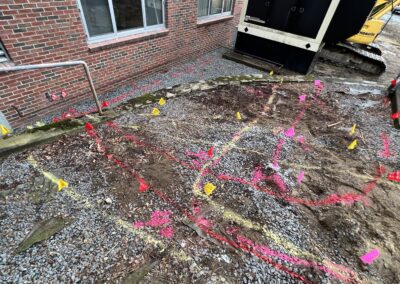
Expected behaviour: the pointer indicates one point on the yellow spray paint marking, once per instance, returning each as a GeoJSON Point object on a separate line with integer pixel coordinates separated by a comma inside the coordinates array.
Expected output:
{"type": "Point", "coordinates": [155, 111]}
{"type": "Point", "coordinates": [353, 145]}
{"type": "Point", "coordinates": [238, 116]}
{"type": "Point", "coordinates": [4, 130]}
{"type": "Point", "coordinates": [162, 102]}
{"type": "Point", "coordinates": [230, 215]}
{"type": "Point", "coordinates": [149, 239]}
{"type": "Point", "coordinates": [353, 129]}
{"type": "Point", "coordinates": [209, 188]}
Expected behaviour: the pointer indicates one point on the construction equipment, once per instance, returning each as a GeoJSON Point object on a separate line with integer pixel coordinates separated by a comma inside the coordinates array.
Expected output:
{"type": "Point", "coordinates": [292, 33]}
{"type": "Point", "coordinates": [358, 51]}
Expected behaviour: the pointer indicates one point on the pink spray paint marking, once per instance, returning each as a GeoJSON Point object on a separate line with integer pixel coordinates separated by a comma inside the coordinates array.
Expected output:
{"type": "Point", "coordinates": [167, 232]}
{"type": "Point", "coordinates": [347, 276]}
{"type": "Point", "coordinates": [225, 240]}
{"type": "Point", "coordinates": [301, 139]}
{"type": "Point", "coordinates": [290, 132]}
{"type": "Point", "coordinates": [279, 182]}
{"type": "Point", "coordinates": [257, 175]}
{"type": "Point", "coordinates": [370, 257]}
{"type": "Point", "coordinates": [277, 152]}
{"type": "Point", "coordinates": [385, 153]}
{"type": "Point", "coordinates": [300, 177]}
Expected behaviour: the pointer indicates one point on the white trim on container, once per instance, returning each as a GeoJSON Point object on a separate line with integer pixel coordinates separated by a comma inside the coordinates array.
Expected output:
{"type": "Point", "coordinates": [285, 37]}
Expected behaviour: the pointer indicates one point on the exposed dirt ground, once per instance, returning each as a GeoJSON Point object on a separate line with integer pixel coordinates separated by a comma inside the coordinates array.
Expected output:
{"type": "Point", "coordinates": [292, 203]}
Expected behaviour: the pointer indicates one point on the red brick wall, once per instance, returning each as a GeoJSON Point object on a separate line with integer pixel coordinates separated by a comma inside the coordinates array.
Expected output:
{"type": "Point", "coordinates": [43, 31]}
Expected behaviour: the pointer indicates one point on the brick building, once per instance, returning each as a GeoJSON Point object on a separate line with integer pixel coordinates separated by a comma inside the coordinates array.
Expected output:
{"type": "Point", "coordinates": [121, 40]}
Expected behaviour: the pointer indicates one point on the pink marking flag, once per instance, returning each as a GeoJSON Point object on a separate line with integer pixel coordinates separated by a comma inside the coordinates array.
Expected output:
{"type": "Point", "coordinates": [301, 139]}
{"type": "Point", "coordinates": [302, 98]}
{"type": "Point", "coordinates": [395, 176]}
{"type": "Point", "coordinates": [317, 83]}
{"type": "Point", "coordinates": [290, 132]}
{"type": "Point", "coordinates": [300, 177]}
{"type": "Point", "coordinates": [104, 104]}
{"type": "Point", "coordinates": [370, 257]}
{"type": "Point", "coordinates": [143, 185]}
{"type": "Point", "coordinates": [210, 151]}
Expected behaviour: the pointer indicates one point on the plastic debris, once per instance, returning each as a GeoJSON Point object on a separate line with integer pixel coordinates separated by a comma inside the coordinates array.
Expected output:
{"type": "Point", "coordinates": [395, 115]}
{"type": "Point", "coordinates": [162, 102]}
{"type": "Point", "coordinates": [155, 111]}
{"type": "Point", "coordinates": [209, 188]}
{"type": "Point", "coordinates": [353, 129]}
{"type": "Point", "coordinates": [238, 116]}
{"type": "Point", "coordinates": [352, 145]}
{"type": "Point", "coordinates": [62, 184]}
{"type": "Point", "coordinates": [4, 130]}
{"type": "Point", "coordinates": [39, 124]}
{"type": "Point", "coordinates": [370, 257]}
{"type": "Point", "coordinates": [394, 176]}
{"type": "Point", "coordinates": [290, 132]}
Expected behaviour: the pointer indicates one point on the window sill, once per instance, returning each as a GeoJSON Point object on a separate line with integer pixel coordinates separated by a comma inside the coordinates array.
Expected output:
{"type": "Point", "coordinates": [214, 20]}
{"type": "Point", "coordinates": [106, 44]}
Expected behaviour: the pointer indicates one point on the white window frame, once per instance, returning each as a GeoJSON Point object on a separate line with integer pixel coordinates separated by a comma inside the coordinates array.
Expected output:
{"type": "Point", "coordinates": [208, 16]}
{"type": "Point", "coordinates": [115, 34]}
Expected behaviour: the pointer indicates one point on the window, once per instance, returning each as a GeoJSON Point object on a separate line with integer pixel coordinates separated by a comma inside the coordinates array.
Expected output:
{"type": "Point", "coordinates": [207, 8]}
{"type": "Point", "coordinates": [3, 54]}
{"type": "Point", "coordinates": [108, 19]}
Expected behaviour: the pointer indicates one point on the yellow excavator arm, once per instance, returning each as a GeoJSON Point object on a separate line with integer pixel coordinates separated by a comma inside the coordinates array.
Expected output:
{"type": "Point", "coordinates": [374, 25]}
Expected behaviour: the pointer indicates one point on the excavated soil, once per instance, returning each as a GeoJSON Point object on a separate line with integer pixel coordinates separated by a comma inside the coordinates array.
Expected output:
{"type": "Point", "coordinates": [263, 223]}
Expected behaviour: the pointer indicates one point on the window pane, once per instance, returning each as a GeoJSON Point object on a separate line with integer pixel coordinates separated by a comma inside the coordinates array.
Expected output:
{"type": "Point", "coordinates": [154, 14]}
{"type": "Point", "coordinates": [202, 8]}
{"type": "Point", "coordinates": [128, 14]}
{"type": "Point", "coordinates": [228, 5]}
{"type": "Point", "coordinates": [216, 7]}
{"type": "Point", "coordinates": [97, 17]}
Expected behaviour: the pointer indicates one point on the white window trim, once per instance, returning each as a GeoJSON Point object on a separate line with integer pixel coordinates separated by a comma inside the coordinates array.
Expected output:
{"type": "Point", "coordinates": [115, 34]}
{"type": "Point", "coordinates": [213, 16]}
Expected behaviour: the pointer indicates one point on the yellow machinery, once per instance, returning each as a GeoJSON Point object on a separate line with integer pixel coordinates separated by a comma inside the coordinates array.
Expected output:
{"type": "Point", "coordinates": [358, 52]}
{"type": "Point", "coordinates": [374, 25]}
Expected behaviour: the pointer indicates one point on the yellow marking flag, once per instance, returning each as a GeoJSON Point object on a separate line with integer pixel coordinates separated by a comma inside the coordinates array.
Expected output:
{"type": "Point", "coordinates": [353, 129]}
{"type": "Point", "coordinates": [209, 188]}
{"type": "Point", "coordinates": [271, 73]}
{"type": "Point", "coordinates": [4, 130]}
{"type": "Point", "coordinates": [155, 111]}
{"type": "Point", "coordinates": [238, 116]}
{"type": "Point", "coordinates": [353, 145]}
{"type": "Point", "coordinates": [162, 102]}
{"type": "Point", "coordinates": [62, 184]}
